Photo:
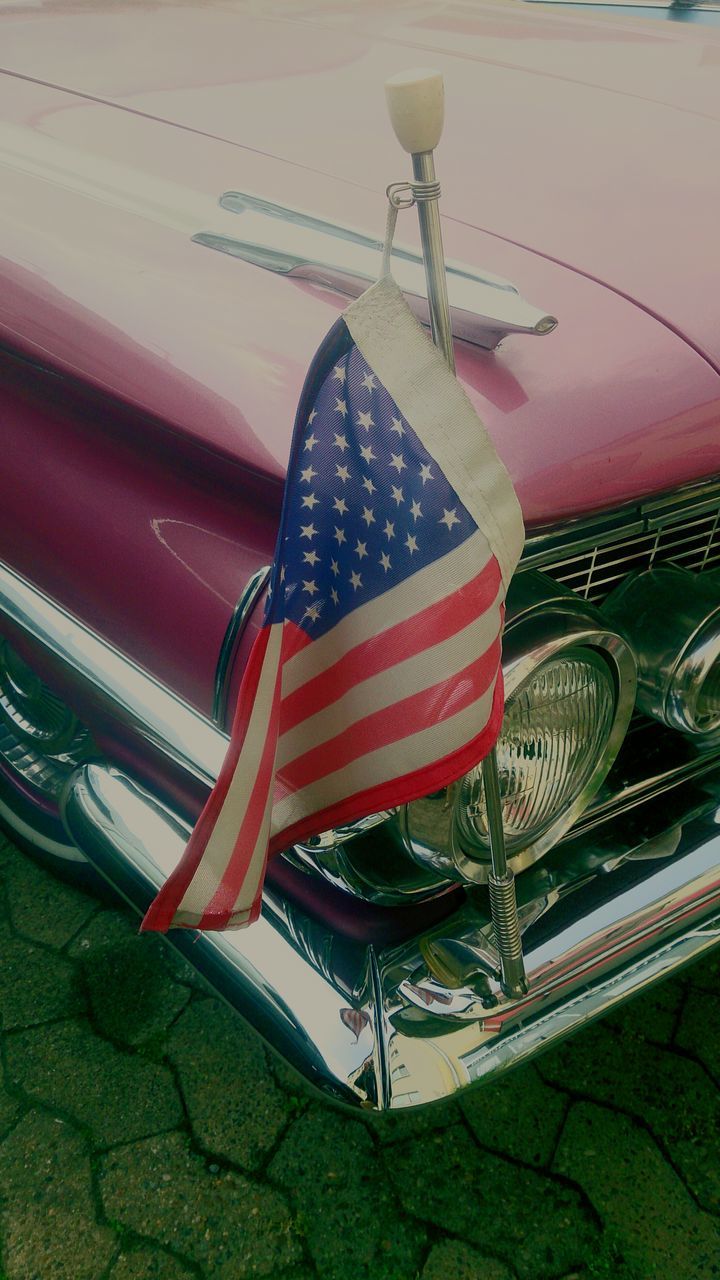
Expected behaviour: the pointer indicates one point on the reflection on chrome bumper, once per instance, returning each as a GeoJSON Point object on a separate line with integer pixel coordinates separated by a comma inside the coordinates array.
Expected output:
{"type": "Point", "coordinates": [415, 1022]}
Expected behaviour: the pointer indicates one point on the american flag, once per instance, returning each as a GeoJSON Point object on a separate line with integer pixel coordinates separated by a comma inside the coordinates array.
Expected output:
{"type": "Point", "coordinates": [376, 676]}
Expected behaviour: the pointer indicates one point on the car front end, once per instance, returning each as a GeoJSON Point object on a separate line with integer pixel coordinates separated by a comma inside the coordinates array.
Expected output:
{"type": "Point", "coordinates": [165, 285]}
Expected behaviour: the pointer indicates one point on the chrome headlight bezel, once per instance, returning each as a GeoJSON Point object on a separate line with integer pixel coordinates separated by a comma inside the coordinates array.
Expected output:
{"type": "Point", "coordinates": [672, 619]}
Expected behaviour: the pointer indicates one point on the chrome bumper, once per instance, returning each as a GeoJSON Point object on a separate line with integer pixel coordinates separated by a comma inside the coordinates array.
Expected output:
{"type": "Point", "coordinates": [406, 1024]}
{"type": "Point", "coordinates": [415, 1022]}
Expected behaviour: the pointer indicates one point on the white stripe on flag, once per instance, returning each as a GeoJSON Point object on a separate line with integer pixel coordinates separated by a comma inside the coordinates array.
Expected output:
{"type": "Point", "coordinates": [255, 874]}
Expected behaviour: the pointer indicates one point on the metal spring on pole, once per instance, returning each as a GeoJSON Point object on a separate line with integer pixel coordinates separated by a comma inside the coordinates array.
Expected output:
{"type": "Point", "coordinates": [503, 906]}
{"type": "Point", "coordinates": [403, 195]}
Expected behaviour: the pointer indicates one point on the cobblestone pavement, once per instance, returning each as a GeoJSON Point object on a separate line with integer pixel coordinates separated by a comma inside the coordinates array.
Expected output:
{"type": "Point", "coordinates": [145, 1134]}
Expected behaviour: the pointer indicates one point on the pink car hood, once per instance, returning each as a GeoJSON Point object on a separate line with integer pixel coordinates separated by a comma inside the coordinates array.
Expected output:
{"type": "Point", "coordinates": [593, 141]}
{"type": "Point", "coordinates": [577, 150]}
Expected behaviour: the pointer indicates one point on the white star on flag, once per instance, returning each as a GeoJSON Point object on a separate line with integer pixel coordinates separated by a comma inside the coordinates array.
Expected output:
{"type": "Point", "coordinates": [449, 518]}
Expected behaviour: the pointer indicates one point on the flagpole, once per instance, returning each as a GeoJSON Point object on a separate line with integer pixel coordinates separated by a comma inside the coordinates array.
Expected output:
{"type": "Point", "coordinates": [416, 105]}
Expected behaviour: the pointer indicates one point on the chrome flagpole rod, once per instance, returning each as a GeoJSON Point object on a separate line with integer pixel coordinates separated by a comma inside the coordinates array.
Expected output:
{"type": "Point", "coordinates": [416, 103]}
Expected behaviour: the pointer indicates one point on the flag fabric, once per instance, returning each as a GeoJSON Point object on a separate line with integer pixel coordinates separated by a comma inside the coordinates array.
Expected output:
{"type": "Point", "coordinates": [376, 675]}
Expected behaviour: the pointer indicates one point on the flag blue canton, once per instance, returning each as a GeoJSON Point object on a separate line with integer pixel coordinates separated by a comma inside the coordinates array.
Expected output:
{"type": "Point", "coordinates": [365, 505]}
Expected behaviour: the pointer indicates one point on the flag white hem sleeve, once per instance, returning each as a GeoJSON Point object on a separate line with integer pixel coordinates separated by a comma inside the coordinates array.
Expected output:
{"type": "Point", "coordinates": [435, 404]}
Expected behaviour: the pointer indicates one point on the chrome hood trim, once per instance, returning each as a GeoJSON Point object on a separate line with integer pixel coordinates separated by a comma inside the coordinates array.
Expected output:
{"type": "Point", "coordinates": [484, 308]}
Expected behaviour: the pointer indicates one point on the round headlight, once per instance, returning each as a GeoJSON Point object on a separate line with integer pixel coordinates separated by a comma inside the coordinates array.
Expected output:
{"type": "Point", "coordinates": [553, 741]}
{"type": "Point", "coordinates": [569, 693]}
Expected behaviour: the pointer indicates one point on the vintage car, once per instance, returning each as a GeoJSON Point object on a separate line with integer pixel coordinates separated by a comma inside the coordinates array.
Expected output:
{"type": "Point", "coordinates": [190, 193]}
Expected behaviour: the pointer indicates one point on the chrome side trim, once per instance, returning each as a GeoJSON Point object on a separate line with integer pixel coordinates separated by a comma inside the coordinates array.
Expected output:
{"type": "Point", "coordinates": [255, 586]}
{"type": "Point", "coordinates": [484, 307]}
{"type": "Point", "coordinates": [383, 1028]}
{"type": "Point", "coordinates": [156, 714]}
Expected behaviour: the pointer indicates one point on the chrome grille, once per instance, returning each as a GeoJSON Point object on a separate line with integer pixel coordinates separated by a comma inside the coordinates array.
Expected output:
{"type": "Point", "coordinates": [683, 532]}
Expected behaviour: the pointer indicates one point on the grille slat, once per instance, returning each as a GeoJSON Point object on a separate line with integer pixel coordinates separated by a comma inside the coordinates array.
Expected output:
{"type": "Point", "coordinates": [693, 543]}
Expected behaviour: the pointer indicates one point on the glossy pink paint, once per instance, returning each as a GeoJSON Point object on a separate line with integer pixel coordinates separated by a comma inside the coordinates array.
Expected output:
{"type": "Point", "coordinates": [590, 138]}
{"type": "Point", "coordinates": [574, 150]}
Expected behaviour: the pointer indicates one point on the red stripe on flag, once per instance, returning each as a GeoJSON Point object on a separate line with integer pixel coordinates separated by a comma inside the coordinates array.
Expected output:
{"type": "Point", "coordinates": [161, 912]}
{"type": "Point", "coordinates": [401, 790]}
{"type": "Point", "coordinates": [294, 639]}
{"type": "Point", "coordinates": [392, 724]}
{"type": "Point", "coordinates": [394, 645]}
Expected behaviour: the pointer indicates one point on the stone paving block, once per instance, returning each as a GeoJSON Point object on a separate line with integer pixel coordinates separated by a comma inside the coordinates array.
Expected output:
{"type": "Point", "coordinates": [34, 985]}
{"type": "Point", "coordinates": [107, 928]}
{"type": "Point", "coordinates": [453, 1260]}
{"type": "Point", "coordinates": [231, 1227]}
{"type": "Point", "coordinates": [113, 927]}
{"type": "Point", "coordinates": [699, 1029]}
{"type": "Point", "coordinates": [659, 1228]}
{"type": "Point", "coordinates": [705, 973]}
{"type": "Point", "coordinates": [181, 969]}
{"type": "Point", "coordinates": [672, 1094]}
{"type": "Point", "coordinates": [288, 1079]}
{"type": "Point", "coordinates": [8, 852]}
{"type": "Point", "coordinates": [343, 1197]}
{"type": "Point", "coordinates": [520, 1116]}
{"type": "Point", "coordinates": [149, 1264]}
{"type": "Point", "coordinates": [241, 1118]}
{"type": "Point", "coordinates": [9, 1109]}
{"type": "Point", "coordinates": [43, 908]}
{"type": "Point", "coordinates": [48, 1221]}
{"type": "Point", "coordinates": [534, 1222]}
{"type": "Point", "coordinates": [652, 1015]}
{"type": "Point", "coordinates": [133, 996]}
{"type": "Point", "coordinates": [398, 1126]}
{"type": "Point", "coordinates": [117, 1096]}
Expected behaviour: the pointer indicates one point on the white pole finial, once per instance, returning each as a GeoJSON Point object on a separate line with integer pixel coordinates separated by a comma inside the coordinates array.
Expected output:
{"type": "Point", "coordinates": [416, 102]}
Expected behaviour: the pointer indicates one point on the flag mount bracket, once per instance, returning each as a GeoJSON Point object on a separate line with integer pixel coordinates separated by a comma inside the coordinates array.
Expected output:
{"type": "Point", "coordinates": [403, 195]}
